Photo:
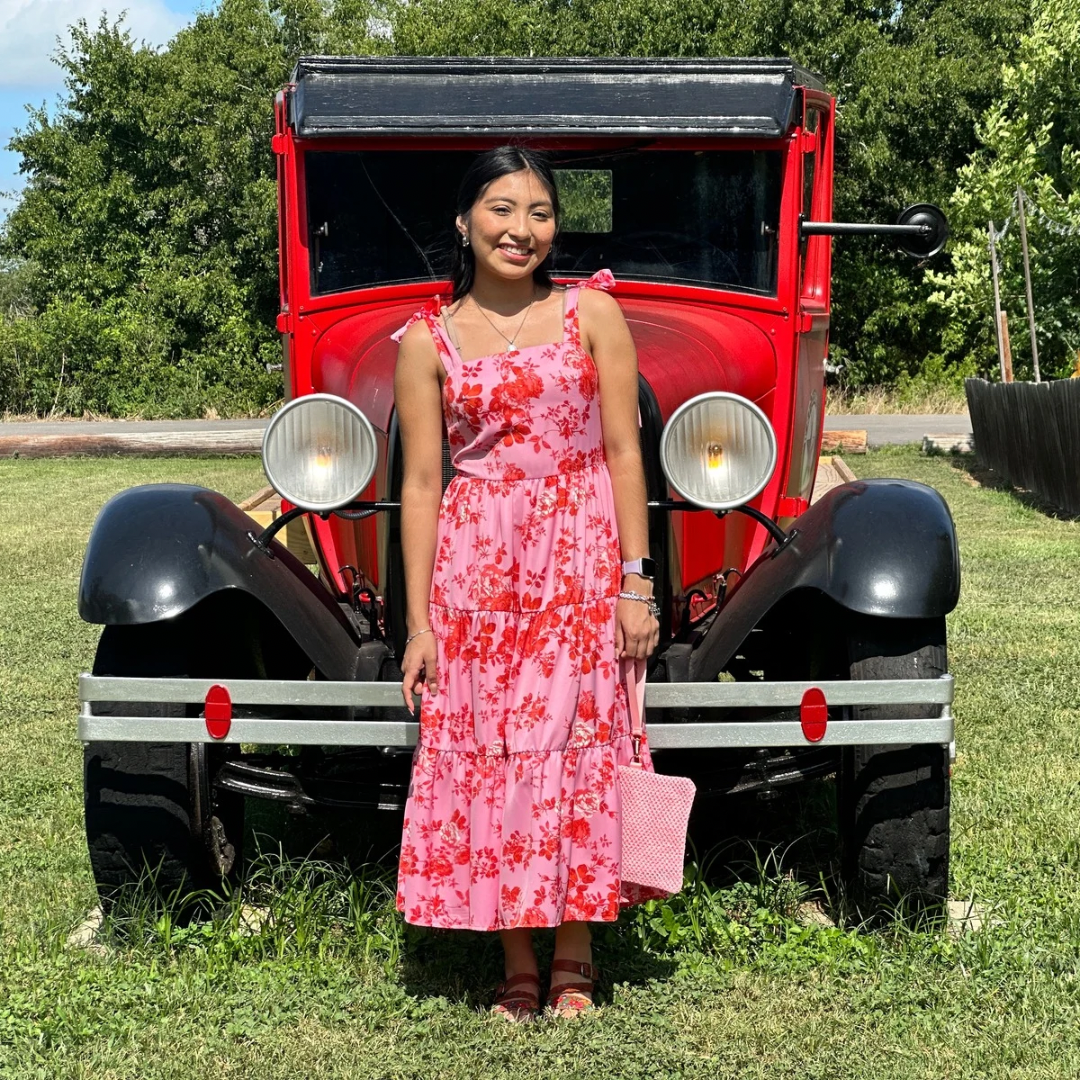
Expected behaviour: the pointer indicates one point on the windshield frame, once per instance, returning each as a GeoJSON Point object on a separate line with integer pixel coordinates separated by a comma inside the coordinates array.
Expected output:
{"type": "Point", "coordinates": [582, 150]}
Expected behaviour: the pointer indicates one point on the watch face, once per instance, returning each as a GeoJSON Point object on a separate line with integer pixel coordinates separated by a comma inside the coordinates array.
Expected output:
{"type": "Point", "coordinates": [644, 567]}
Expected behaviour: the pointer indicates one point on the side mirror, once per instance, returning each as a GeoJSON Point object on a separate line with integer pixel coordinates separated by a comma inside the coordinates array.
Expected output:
{"type": "Point", "coordinates": [933, 230]}
{"type": "Point", "coordinates": [920, 230]}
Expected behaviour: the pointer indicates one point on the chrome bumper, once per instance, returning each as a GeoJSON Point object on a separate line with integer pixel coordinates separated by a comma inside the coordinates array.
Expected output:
{"type": "Point", "coordinates": [840, 731]}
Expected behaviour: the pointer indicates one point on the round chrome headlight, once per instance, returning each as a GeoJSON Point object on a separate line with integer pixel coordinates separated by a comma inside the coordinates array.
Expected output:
{"type": "Point", "coordinates": [319, 452]}
{"type": "Point", "coordinates": [718, 450]}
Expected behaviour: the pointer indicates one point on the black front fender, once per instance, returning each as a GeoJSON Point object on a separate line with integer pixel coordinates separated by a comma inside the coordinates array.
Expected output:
{"type": "Point", "coordinates": [876, 547]}
{"type": "Point", "coordinates": [157, 551]}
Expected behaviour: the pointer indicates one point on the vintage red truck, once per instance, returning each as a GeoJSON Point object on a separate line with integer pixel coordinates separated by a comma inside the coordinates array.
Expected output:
{"type": "Point", "coordinates": [798, 641]}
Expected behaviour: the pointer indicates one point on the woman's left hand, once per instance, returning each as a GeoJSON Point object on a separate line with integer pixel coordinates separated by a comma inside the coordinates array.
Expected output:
{"type": "Point", "coordinates": [637, 633]}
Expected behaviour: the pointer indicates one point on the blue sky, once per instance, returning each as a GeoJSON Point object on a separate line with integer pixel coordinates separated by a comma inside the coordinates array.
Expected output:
{"type": "Point", "coordinates": [28, 39]}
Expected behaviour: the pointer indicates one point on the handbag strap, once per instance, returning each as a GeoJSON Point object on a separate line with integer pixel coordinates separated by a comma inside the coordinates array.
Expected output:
{"type": "Point", "coordinates": [635, 692]}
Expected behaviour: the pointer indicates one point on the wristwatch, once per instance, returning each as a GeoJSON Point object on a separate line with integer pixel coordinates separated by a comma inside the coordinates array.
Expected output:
{"type": "Point", "coordinates": [645, 568]}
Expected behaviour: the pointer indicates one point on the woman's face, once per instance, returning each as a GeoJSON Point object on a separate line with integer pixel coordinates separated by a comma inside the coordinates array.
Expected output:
{"type": "Point", "coordinates": [511, 225]}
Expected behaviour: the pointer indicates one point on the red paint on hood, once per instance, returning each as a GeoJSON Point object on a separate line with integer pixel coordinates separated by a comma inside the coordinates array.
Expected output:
{"type": "Point", "coordinates": [683, 351]}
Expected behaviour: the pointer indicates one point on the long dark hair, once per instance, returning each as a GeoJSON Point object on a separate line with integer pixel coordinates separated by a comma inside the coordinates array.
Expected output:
{"type": "Point", "coordinates": [487, 167]}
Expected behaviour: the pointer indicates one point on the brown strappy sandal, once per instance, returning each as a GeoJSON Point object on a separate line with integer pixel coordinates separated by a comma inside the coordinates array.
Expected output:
{"type": "Point", "coordinates": [567, 1000]}
{"type": "Point", "coordinates": [513, 1002]}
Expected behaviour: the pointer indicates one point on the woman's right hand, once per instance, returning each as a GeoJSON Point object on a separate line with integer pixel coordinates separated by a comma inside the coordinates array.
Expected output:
{"type": "Point", "coordinates": [419, 666]}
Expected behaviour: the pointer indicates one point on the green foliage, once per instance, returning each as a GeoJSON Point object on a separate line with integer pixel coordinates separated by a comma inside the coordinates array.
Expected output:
{"type": "Point", "coordinates": [585, 200]}
{"type": "Point", "coordinates": [147, 231]}
{"type": "Point", "coordinates": [1031, 138]}
{"type": "Point", "coordinates": [908, 100]}
{"type": "Point", "coordinates": [911, 81]}
{"type": "Point", "coordinates": [144, 242]}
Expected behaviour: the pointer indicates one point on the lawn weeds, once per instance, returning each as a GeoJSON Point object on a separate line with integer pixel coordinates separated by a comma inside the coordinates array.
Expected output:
{"type": "Point", "coordinates": [283, 907]}
{"type": "Point", "coordinates": [740, 910]}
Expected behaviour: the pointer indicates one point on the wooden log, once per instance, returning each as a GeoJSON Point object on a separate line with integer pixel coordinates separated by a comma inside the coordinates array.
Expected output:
{"type": "Point", "coordinates": [139, 444]}
{"type": "Point", "coordinates": [848, 442]}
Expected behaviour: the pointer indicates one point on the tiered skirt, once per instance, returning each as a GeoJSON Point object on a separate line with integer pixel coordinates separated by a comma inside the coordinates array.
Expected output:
{"type": "Point", "coordinates": [513, 810]}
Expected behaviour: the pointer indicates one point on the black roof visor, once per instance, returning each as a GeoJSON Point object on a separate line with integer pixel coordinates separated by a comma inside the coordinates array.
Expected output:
{"type": "Point", "coordinates": [342, 96]}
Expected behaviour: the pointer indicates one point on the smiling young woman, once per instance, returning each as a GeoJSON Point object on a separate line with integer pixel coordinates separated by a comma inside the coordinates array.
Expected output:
{"type": "Point", "coordinates": [505, 235]}
{"type": "Point", "coordinates": [518, 608]}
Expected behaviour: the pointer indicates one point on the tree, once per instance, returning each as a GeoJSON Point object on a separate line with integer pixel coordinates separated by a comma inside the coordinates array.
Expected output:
{"type": "Point", "coordinates": [911, 81]}
{"type": "Point", "coordinates": [146, 233]}
{"type": "Point", "coordinates": [148, 220]}
{"type": "Point", "coordinates": [1031, 139]}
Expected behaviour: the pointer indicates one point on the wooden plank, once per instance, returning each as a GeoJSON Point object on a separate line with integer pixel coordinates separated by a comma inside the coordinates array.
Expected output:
{"type": "Point", "coordinates": [258, 498]}
{"type": "Point", "coordinates": [831, 472]}
{"type": "Point", "coordinates": [948, 444]}
{"type": "Point", "coordinates": [141, 444]}
{"type": "Point", "coordinates": [262, 518]}
{"type": "Point", "coordinates": [843, 470]}
{"type": "Point", "coordinates": [850, 442]}
{"type": "Point", "coordinates": [298, 541]}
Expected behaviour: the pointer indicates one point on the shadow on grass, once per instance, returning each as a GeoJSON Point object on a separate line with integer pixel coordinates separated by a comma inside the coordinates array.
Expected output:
{"type": "Point", "coordinates": [979, 475]}
{"type": "Point", "coordinates": [746, 855]}
{"type": "Point", "coordinates": [799, 821]}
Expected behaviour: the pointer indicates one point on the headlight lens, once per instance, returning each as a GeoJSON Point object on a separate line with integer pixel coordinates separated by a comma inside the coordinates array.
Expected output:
{"type": "Point", "coordinates": [718, 450]}
{"type": "Point", "coordinates": [319, 452]}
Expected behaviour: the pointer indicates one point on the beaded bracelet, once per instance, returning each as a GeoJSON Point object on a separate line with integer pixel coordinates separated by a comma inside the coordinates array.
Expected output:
{"type": "Point", "coordinates": [426, 630]}
{"type": "Point", "coordinates": [654, 607]}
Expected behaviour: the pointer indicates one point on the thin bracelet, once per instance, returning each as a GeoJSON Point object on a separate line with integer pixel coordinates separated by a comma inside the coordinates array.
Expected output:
{"type": "Point", "coordinates": [426, 630]}
{"type": "Point", "coordinates": [654, 607]}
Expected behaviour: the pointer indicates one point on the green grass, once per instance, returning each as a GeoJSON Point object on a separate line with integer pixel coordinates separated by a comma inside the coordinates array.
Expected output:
{"type": "Point", "coordinates": [726, 983]}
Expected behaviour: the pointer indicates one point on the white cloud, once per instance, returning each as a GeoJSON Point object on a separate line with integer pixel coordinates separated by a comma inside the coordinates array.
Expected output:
{"type": "Point", "coordinates": [29, 30]}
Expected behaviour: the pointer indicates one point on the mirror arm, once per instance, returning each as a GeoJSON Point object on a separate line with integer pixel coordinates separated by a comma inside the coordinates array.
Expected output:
{"type": "Point", "coordinates": [842, 228]}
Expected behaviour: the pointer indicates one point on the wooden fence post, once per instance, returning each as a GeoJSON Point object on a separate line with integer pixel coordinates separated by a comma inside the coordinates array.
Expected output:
{"type": "Point", "coordinates": [997, 306]}
{"type": "Point", "coordinates": [1006, 350]}
{"type": "Point", "coordinates": [1027, 281]}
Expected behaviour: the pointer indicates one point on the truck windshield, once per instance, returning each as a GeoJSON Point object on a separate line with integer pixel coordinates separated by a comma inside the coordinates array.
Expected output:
{"type": "Point", "coordinates": [707, 217]}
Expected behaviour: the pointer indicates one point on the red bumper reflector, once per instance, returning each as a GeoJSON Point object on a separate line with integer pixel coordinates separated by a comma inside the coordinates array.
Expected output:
{"type": "Point", "coordinates": [218, 712]}
{"type": "Point", "coordinates": [813, 715]}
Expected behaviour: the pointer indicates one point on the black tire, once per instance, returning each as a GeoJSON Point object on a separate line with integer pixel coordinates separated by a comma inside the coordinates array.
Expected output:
{"type": "Point", "coordinates": [152, 818]}
{"type": "Point", "coordinates": [893, 801]}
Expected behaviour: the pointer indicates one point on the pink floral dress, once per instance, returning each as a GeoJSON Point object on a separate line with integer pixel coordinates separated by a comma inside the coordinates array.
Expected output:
{"type": "Point", "coordinates": [512, 817]}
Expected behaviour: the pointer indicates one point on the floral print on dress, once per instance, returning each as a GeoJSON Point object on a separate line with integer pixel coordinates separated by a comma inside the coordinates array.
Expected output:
{"type": "Point", "coordinates": [512, 817]}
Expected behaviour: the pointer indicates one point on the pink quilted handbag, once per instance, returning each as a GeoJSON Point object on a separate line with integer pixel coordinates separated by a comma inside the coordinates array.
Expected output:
{"type": "Point", "coordinates": [655, 807]}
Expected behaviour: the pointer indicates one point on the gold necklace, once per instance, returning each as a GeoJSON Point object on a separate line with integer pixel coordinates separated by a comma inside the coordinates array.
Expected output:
{"type": "Point", "coordinates": [509, 340]}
